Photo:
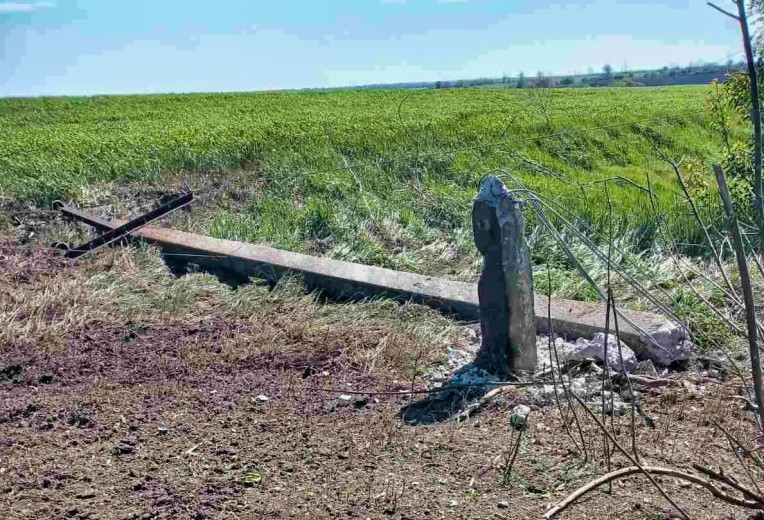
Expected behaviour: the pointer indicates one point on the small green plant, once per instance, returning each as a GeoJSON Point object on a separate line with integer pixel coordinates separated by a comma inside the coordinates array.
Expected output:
{"type": "Point", "coordinates": [251, 477]}
{"type": "Point", "coordinates": [442, 450]}
{"type": "Point", "coordinates": [540, 462]}
{"type": "Point", "coordinates": [414, 367]}
{"type": "Point", "coordinates": [309, 457]}
{"type": "Point", "coordinates": [513, 479]}
{"type": "Point", "coordinates": [573, 473]}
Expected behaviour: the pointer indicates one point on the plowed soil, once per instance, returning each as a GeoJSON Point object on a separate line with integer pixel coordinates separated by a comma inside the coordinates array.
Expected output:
{"type": "Point", "coordinates": [221, 416]}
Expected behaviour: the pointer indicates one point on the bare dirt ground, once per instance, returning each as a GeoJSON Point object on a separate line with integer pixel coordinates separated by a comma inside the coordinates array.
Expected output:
{"type": "Point", "coordinates": [127, 393]}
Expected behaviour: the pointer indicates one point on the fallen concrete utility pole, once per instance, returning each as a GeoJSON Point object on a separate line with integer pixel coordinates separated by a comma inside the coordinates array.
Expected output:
{"type": "Point", "coordinates": [346, 280]}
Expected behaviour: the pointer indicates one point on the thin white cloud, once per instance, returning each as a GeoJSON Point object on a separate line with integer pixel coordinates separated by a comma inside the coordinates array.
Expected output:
{"type": "Point", "coordinates": [24, 7]}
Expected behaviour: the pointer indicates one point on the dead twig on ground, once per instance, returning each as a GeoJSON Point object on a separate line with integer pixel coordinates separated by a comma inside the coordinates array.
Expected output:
{"type": "Point", "coordinates": [748, 406]}
{"type": "Point", "coordinates": [651, 381]}
{"type": "Point", "coordinates": [733, 483]}
{"type": "Point", "coordinates": [631, 458]}
{"type": "Point", "coordinates": [192, 449]}
{"type": "Point", "coordinates": [472, 407]}
{"type": "Point", "coordinates": [649, 470]}
{"type": "Point", "coordinates": [734, 445]}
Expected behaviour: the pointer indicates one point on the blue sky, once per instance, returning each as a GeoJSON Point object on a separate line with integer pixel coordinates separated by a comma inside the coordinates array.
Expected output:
{"type": "Point", "coordinates": [71, 47]}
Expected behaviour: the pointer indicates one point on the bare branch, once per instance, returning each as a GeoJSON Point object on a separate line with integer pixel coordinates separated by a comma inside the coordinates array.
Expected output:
{"type": "Point", "coordinates": [675, 166]}
{"type": "Point", "coordinates": [631, 470]}
{"type": "Point", "coordinates": [723, 11]}
{"type": "Point", "coordinates": [753, 77]}
{"type": "Point", "coordinates": [553, 350]}
{"type": "Point", "coordinates": [745, 282]}
{"type": "Point", "coordinates": [513, 455]}
{"type": "Point", "coordinates": [721, 477]}
{"type": "Point", "coordinates": [628, 381]}
{"type": "Point", "coordinates": [618, 178]}
{"type": "Point", "coordinates": [631, 459]}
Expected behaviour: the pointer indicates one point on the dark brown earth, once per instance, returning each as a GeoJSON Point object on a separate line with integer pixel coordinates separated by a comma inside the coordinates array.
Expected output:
{"type": "Point", "coordinates": [110, 414]}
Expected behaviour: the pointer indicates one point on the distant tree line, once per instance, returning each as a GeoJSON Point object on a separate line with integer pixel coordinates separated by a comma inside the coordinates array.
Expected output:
{"type": "Point", "coordinates": [693, 73]}
{"type": "Point", "coordinates": [697, 73]}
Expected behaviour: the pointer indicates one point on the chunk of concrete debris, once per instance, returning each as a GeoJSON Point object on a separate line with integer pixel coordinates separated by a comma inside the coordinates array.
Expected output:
{"type": "Point", "coordinates": [614, 405]}
{"type": "Point", "coordinates": [260, 399]}
{"type": "Point", "coordinates": [545, 394]}
{"type": "Point", "coordinates": [667, 345]}
{"type": "Point", "coordinates": [646, 368]}
{"type": "Point", "coordinates": [472, 336]}
{"type": "Point", "coordinates": [472, 375]}
{"type": "Point", "coordinates": [457, 358]}
{"type": "Point", "coordinates": [595, 348]}
{"type": "Point", "coordinates": [545, 355]}
{"type": "Point", "coordinates": [357, 401]}
{"type": "Point", "coordinates": [518, 417]}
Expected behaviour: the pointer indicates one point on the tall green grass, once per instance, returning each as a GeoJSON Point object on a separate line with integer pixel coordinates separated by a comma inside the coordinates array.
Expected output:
{"type": "Point", "coordinates": [371, 176]}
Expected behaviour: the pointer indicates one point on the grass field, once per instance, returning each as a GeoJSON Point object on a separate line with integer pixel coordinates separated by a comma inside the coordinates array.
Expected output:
{"type": "Point", "coordinates": [368, 175]}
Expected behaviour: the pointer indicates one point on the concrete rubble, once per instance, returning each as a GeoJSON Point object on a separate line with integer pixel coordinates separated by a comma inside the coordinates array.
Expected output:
{"type": "Point", "coordinates": [472, 375]}
{"type": "Point", "coordinates": [454, 368]}
{"type": "Point", "coordinates": [518, 417]}
{"type": "Point", "coordinates": [667, 351]}
{"type": "Point", "coordinates": [625, 359]}
{"type": "Point", "coordinates": [581, 362]}
{"type": "Point", "coordinates": [667, 345]}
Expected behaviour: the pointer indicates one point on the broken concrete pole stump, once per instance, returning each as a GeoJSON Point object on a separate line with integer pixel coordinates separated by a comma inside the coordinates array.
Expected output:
{"type": "Point", "coordinates": [505, 289]}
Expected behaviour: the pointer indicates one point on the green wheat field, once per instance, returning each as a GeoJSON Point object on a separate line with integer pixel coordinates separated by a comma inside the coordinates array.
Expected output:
{"type": "Point", "coordinates": [372, 175]}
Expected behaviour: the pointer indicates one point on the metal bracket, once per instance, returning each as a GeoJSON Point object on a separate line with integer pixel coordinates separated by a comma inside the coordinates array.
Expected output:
{"type": "Point", "coordinates": [175, 202]}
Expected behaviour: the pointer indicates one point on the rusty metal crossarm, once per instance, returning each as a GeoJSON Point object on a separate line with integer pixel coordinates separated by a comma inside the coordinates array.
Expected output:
{"type": "Point", "coordinates": [114, 234]}
{"type": "Point", "coordinates": [101, 224]}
